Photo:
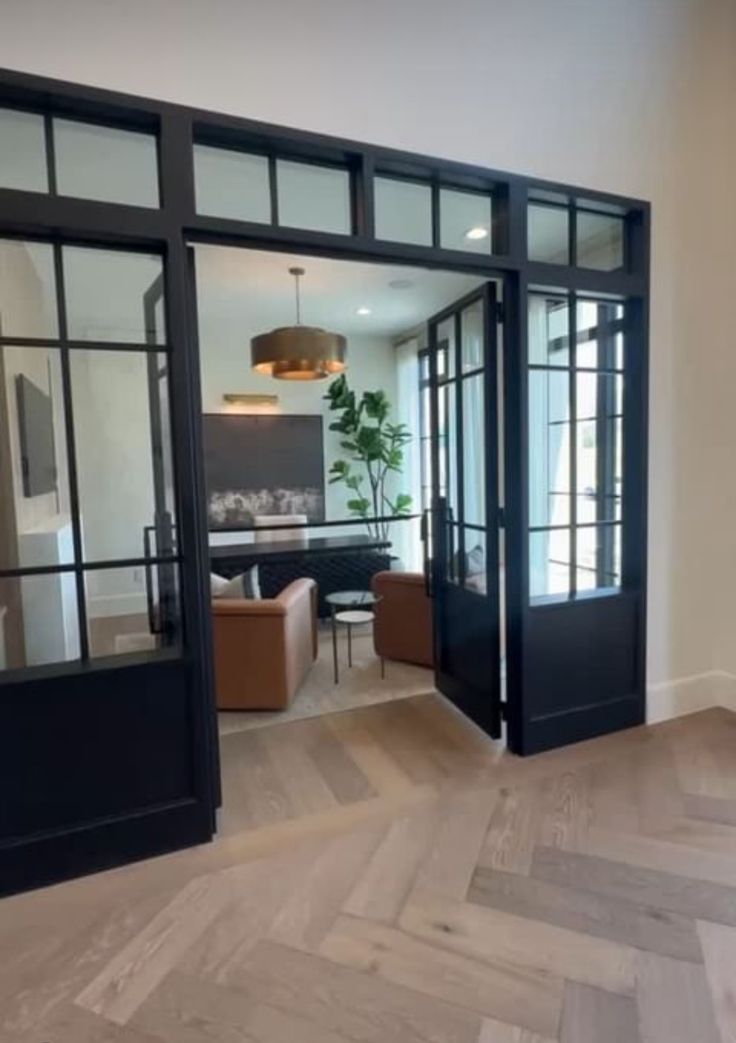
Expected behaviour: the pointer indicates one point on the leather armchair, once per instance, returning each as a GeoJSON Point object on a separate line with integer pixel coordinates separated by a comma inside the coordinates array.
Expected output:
{"type": "Point", "coordinates": [264, 648]}
{"type": "Point", "coordinates": [403, 626]}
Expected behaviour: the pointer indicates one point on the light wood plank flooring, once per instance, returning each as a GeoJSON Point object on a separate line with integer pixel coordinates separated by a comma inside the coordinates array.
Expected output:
{"type": "Point", "coordinates": [388, 874]}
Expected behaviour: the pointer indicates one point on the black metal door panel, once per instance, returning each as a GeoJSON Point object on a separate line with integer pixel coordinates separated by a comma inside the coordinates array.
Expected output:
{"type": "Point", "coordinates": [465, 540]}
{"type": "Point", "coordinates": [576, 421]}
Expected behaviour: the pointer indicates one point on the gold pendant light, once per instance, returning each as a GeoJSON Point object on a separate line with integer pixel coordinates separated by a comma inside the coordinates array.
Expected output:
{"type": "Point", "coordinates": [298, 352]}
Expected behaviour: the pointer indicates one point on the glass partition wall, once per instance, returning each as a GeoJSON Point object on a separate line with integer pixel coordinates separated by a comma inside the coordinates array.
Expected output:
{"type": "Point", "coordinates": [103, 534]}
{"type": "Point", "coordinates": [84, 455]}
{"type": "Point", "coordinates": [576, 423]}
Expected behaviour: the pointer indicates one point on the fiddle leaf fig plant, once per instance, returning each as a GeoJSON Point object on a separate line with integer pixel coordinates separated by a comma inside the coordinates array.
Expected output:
{"type": "Point", "coordinates": [374, 449]}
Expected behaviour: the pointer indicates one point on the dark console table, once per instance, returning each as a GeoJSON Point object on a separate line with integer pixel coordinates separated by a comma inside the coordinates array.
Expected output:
{"type": "Point", "coordinates": [334, 562]}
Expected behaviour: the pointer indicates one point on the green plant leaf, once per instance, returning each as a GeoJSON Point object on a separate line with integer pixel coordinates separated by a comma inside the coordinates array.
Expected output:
{"type": "Point", "coordinates": [375, 446]}
{"type": "Point", "coordinates": [369, 442]}
{"type": "Point", "coordinates": [376, 405]}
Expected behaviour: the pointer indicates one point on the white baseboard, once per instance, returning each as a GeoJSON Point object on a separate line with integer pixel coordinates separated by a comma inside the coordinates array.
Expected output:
{"type": "Point", "coordinates": [689, 694]}
{"type": "Point", "coordinates": [726, 689]}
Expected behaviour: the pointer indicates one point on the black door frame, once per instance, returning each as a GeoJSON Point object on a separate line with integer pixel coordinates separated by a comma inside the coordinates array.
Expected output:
{"type": "Point", "coordinates": [169, 230]}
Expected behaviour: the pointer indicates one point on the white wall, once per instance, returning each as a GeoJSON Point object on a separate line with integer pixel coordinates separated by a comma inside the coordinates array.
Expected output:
{"type": "Point", "coordinates": [115, 472]}
{"type": "Point", "coordinates": [25, 306]}
{"type": "Point", "coordinates": [633, 96]}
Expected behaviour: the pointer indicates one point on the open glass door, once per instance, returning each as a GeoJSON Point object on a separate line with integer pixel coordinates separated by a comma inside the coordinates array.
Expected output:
{"type": "Point", "coordinates": [577, 519]}
{"type": "Point", "coordinates": [464, 532]}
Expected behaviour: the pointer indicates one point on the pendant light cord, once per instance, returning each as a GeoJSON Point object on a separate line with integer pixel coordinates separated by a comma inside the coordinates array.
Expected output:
{"type": "Point", "coordinates": [297, 273]}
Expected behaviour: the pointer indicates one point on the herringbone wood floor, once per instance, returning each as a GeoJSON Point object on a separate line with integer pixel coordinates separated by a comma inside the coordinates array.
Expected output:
{"type": "Point", "coordinates": [389, 875]}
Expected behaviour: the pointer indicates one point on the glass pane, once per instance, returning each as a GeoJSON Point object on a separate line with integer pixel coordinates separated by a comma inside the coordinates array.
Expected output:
{"type": "Point", "coordinates": [423, 366]}
{"type": "Point", "coordinates": [549, 331]}
{"type": "Point", "coordinates": [425, 414]}
{"type": "Point", "coordinates": [313, 197]}
{"type": "Point", "coordinates": [231, 184]}
{"type": "Point", "coordinates": [598, 449]}
{"type": "Point", "coordinates": [132, 609]}
{"type": "Point", "coordinates": [476, 566]}
{"type": "Point", "coordinates": [474, 445]}
{"type": "Point", "coordinates": [34, 491]}
{"type": "Point", "coordinates": [549, 448]}
{"type": "Point", "coordinates": [448, 446]}
{"type": "Point", "coordinates": [600, 241]}
{"type": "Point", "coordinates": [598, 557]}
{"type": "Point", "coordinates": [465, 221]}
{"type": "Point", "coordinates": [453, 553]}
{"type": "Point", "coordinates": [446, 348]}
{"type": "Point", "coordinates": [403, 211]}
{"type": "Point", "coordinates": [599, 394]}
{"type": "Point", "coordinates": [115, 442]}
{"type": "Point", "coordinates": [23, 151]}
{"type": "Point", "coordinates": [106, 163]}
{"type": "Point", "coordinates": [471, 331]}
{"type": "Point", "coordinates": [548, 235]}
{"type": "Point", "coordinates": [549, 563]}
{"type": "Point", "coordinates": [111, 295]}
{"type": "Point", "coordinates": [27, 290]}
{"type": "Point", "coordinates": [38, 620]}
{"type": "Point", "coordinates": [600, 339]}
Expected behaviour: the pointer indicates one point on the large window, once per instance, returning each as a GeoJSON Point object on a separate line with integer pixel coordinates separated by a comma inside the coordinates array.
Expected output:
{"type": "Point", "coordinates": [575, 444]}
{"type": "Point", "coordinates": [87, 528]}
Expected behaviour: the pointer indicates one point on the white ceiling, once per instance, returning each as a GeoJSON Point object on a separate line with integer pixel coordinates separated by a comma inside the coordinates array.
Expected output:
{"type": "Point", "coordinates": [253, 289]}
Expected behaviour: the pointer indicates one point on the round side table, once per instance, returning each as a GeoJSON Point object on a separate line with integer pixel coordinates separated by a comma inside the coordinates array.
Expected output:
{"type": "Point", "coordinates": [351, 608]}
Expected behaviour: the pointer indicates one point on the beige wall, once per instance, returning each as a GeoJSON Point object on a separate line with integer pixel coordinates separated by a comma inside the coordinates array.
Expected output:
{"type": "Point", "coordinates": [634, 96]}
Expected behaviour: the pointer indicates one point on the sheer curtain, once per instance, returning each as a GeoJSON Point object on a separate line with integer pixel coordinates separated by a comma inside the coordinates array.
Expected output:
{"type": "Point", "coordinates": [406, 535]}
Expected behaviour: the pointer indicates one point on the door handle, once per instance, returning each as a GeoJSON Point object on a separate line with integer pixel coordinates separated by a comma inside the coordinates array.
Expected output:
{"type": "Point", "coordinates": [148, 573]}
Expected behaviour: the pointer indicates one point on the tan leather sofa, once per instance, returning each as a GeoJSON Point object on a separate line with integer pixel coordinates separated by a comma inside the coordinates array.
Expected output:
{"type": "Point", "coordinates": [264, 648]}
{"type": "Point", "coordinates": [403, 625]}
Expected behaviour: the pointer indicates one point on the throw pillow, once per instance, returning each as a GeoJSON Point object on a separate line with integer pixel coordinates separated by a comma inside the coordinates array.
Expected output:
{"type": "Point", "coordinates": [247, 585]}
{"type": "Point", "coordinates": [475, 561]}
{"type": "Point", "coordinates": [217, 584]}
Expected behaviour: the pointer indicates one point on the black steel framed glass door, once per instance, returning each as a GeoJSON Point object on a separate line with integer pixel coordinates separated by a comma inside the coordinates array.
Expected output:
{"type": "Point", "coordinates": [464, 530]}
{"type": "Point", "coordinates": [98, 757]}
{"type": "Point", "coordinates": [578, 477]}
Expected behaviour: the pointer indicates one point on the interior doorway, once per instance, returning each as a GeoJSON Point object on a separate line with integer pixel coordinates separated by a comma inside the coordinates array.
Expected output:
{"type": "Point", "coordinates": [286, 486]}
{"type": "Point", "coordinates": [109, 192]}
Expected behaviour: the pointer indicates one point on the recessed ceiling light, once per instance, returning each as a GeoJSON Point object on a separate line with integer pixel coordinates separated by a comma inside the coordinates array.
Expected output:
{"type": "Point", "coordinates": [363, 311]}
{"type": "Point", "coordinates": [476, 233]}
